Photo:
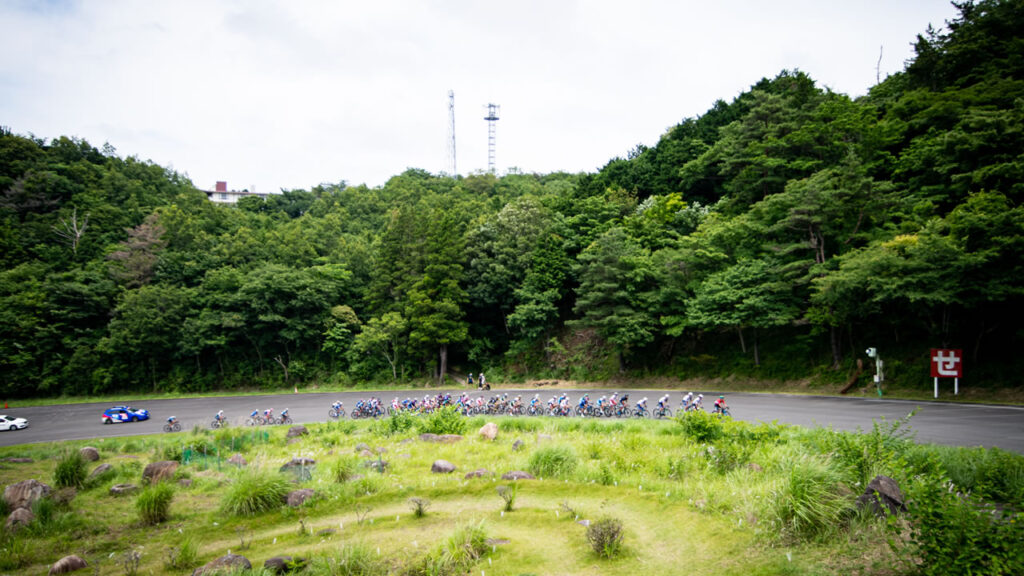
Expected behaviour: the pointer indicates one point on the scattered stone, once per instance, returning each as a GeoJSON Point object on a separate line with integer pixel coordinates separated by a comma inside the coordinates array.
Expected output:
{"type": "Point", "coordinates": [298, 463]}
{"type": "Point", "coordinates": [297, 497]}
{"type": "Point", "coordinates": [19, 460]}
{"type": "Point", "coordinates": [378, 465]}
{"type": "Point", "coordinates": [326, 532]}
{"type": "Point", "coordinates": [496, 541]}
{"type": "Point", "coordinates": [24, 493]}
{"type": "Point", "coordinates": [284, 564]}
{"type": "Point", "coordinates": [406, 441]}
{"type": "Point", "coordinates": [123, 489]}
{"type": "Point", "coordinates": [63, 496]}
{"type": "Point", "coordinates": [185, 482]}
{"type": "Point", "coordinates": [20, 517]}
{"type": "Point", "coordinates": [380, 450]}
{"type": "Point", "coordinates": [517, 445]}
{"type": "Point", "coordinates": [89, 453]}
{"type": "Point", "coordinates": [478, 473]}
{"type": "Point", "coordinates": [159, 471]}
{"type": "Point", "coordinates": [366, 454]}
{"type": "Point", "coordinates": [68, 564]}
{"type": "Point", "coordinates": [543, 437]}
{"type": "Point", "coordinates": [489, 431]}
{"type": "Point", "coordinates": [583, 522]}
{"type": "Point", "coordinates": [362, 446]}
{"type": "Point", "coordinates": [291, 441]}
{"type": "Point", "coordinates": [754, 467]}
{"type": "Point", "coordinates": [441, 439]}
{"type": "Point", "coordinates": [883, 495]}
{"type": "Point", "coordinates": [517, 475]}
{"type": "Point", "coordinates": [227, 563]}
{"type": "Point", "coordinates": [442, 467]}
{"type": "Point", "coordinates": [100, 470]}
{"type": "Point", "coordinates": [330, 452]}
{"type": "Point", "coordinates": [296, 431]}
{"type": "Point", "coordinates": [238, 460]}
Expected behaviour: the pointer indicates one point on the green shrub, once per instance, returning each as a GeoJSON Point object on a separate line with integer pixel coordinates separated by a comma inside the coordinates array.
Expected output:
{"type": "Point", "coordinates": [154, 503]}
{"type": "Point", "coordinates": [354, 559]}
{"type": "Point", "coordinates": [463, 547]}
{"type": "Point", "coordinates": [605, 475]}
{"type": "Point", "coordinates": [419, 506]}
{"type": "Point", "coordinates": [397, 423]}
{"type": "Point", "coordinates": [447, 420]}
{"type": "Point", "coordinates": [508, 494]}
{"type": "Point", "coordinates": [182, 556]}
{"type": "Point", "coordinates": [553, 461]}
{"type": "Point", "coordinates": [71, 471]}
{"type": "Point", "coordinates": [343, 469]}
{"type": "Point", "coordinates": [701, 426]}
{"type": "Point", "coordinates": [952, 534]}
{"type": "Point", "coordinates": [253, 492]}
{"type": "Point", "coordinates": [605, 537]}
{"type": "Point", "coordinates": [872, 453]}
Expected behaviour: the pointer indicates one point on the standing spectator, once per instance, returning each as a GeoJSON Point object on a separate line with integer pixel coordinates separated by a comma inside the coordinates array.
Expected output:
{"type": "Point", "coordinates": [470, 379]}
{"type": "Point", "coordinates": [483, 382]}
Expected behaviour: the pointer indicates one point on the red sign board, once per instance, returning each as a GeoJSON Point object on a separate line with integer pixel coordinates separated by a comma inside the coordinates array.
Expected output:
{"type": "Point", "coordinates": [947, 363]}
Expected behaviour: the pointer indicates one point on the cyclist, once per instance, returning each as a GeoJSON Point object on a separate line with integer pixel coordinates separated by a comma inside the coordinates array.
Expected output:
{"type": "Point", "coordinates": [685, 404]}
{"type": "Point", "coordinates": [662, 404]}
{"type": "Point", "coordinates": [698, 403]}
{"type": "Point", "coordinates": [720, 405]}
{"type": "Point", "coordinates": [219, 416]}
{"type": "Point", "coordinates": [268, 415]}
{"type": "Point", "coordinates": [172, 420]}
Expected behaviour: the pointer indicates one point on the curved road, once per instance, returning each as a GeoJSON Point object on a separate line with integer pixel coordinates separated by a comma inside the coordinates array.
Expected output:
{"type": "Point", "coordinates": [940, 423]}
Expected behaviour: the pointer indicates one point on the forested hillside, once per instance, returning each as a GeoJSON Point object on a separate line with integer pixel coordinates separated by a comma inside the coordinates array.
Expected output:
{"type": "Point", "coordinates": [777, 235]}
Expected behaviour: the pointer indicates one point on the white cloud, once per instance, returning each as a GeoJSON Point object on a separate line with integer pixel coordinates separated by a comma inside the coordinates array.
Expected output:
{"type": "Point", "coordinates": [291, 94]}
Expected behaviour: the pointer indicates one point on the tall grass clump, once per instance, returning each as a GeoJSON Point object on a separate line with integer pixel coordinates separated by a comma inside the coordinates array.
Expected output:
{"type": "Point", "coordinates": [353, 559]}
{"type": "Point", "coordinates": [398, 423]}
{"type": "Point", "coordinates": [605, 537]}
{"type": "Point", "coordinates": [154, 503]}
{"type": "Point", "coordinates": [866, 455]}
{"type": "Point", "coordinates": [808, 502]}
{"type": "Point", "coordinates": [253, 492]}
{"type": "Point", "coordinates": [343, 469]}
{"type": "Point", "coordinates": [988, 473]}
{"type": "Point", "coordinates": [553, 461]}
{"type": "Point", "coordinates": [71, 471]}
{"type": "Point", "coordinates": [447, 420]}
{"type": "Point", "coordinates": [182, 556]}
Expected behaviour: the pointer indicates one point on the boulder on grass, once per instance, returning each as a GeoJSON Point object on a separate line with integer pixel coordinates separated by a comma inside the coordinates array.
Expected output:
{"type": "Point", "coordinates": [478, 473]}
{"type": "Point", "coordinates": [24, 493]}
{"type": "Point", "coordinates": [440, 438]}
{"type": "Point", "coordinates": [284, 564]}
{"type": "Point", "coordinates": [18, 518]}
{"type": "Point", "coordinates": [68, 564]}
{"type": "Point", "coordinates": [100, 470]}
{"type": "Point", "coordinates": [238, 460]}
{"type": "Point", "coordinates": [517, 475]}
{"type": "Point", "coordinates": [442, 467]}
{"type": "Point", "coordinates": [159, 471]}
{"type": "Point", "coordinates": [297, 497]}
{"type": "Point", "coordinates": [489, 431]}
{"type": "Point", "coordinates": [296, 431]}
{"type": "Point", "coordinates": [226, 563]}
{"type": "Point", "coordinates": [298, 463]}
{"type": "Point", "coordinates": [883, 496]}
{"type": "Point", "coordinates": [89, 453]}
{"type": "Point", "coordinates": [123, 489]}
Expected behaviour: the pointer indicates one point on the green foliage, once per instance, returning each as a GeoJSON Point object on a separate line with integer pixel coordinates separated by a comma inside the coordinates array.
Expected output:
{"type": "Point", "coordinates": [253, 492]}
{"type": "Point", "coordinates": [508, 494]}
{"type": "Point", "coordinates": [419, 506]}
{"type": "Point", "coordinates": [953, 533]}
{"type": "Point", "coordinates": [701, 426]}
{"type": "Point", "coordinates": [456, 553]}
{"type": "Point", "coordinates": [343, 469]}
{"type": "Point", "coordinates": [182, 556]}
{"type": "Point", "coordinates": [397, 423]}
{"type": "Point", "coordinates": [71, 471]}
{"type": "Point", "coordinates": [154, 503]}
{"type": "Point", "coordinates": [876, 452]}
{"type": "Point", "coordinates": [558, 461]}
{"type": "Point", "coordinates": [353, 559]}
{"type": "Point", "coordinates": [605, 537]}
{"type": "Point", "coordinates": [808, 502]}
{"type": "Point", "coordinates": [447, 420]}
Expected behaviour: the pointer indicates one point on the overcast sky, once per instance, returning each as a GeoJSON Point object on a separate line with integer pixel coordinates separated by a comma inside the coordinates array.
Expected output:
{"type": "Point", "coordinates": [271, 95]}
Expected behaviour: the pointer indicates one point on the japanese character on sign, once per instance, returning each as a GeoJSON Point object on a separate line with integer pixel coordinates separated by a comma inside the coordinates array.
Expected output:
{"type": "Point", "coordinates": [947, 363]}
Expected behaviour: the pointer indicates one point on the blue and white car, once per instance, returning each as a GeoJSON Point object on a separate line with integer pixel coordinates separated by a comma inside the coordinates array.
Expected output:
{"type": "Point", "coordinates": [124, 414]}
{"type": "Point", "coordinates": [12, 423]}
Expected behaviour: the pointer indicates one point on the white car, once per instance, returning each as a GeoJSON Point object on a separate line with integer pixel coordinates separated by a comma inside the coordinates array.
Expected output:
{"type": "Point", "coordinates": [9, 423]}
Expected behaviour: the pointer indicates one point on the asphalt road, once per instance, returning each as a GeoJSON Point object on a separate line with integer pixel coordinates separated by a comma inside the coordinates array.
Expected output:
{"type": "Point", "coordinates": [939, 423]}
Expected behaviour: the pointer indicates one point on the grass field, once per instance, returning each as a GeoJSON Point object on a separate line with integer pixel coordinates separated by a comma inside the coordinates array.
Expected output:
{"type": "Point", "coordinates": [694, 496]}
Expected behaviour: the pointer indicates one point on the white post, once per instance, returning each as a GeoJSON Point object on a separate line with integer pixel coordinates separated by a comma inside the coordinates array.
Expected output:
{"type": "Point", "coordinates": [956, 386]}
{"type": "Point", "coordinates": [936, 387]}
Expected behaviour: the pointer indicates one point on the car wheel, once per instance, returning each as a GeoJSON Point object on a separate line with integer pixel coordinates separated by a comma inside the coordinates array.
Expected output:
{"type": "Point", "coordinates": [106, 420]}
{"type": "Point", "coordinates": [135, 418]}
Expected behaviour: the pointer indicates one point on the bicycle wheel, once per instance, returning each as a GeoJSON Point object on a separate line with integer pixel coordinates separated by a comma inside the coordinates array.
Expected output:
{"type": "Point", "coordinates": [665, 413]}
{"type": "Point", "coordinates": [177, 427]}
{"type": "Point", "coordinates": [167, 427]}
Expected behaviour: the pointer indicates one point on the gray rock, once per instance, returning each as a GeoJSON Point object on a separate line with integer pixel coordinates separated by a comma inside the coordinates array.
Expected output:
{"type": "Point", "coordinates": [882, 496]}
{"type": "Point", "coordinates": [24, 493]}
{"type": "Point", "coordinates": [366, 454]}
{"type": "Point", "coordinates": [378, 465]}
{"type": "Point", "coordinates": [442, 467]}
{"type": "Point", "coordinates": [226, 563]}
{"type": "Point", "coordinates": [159, 471]}
{"type": "Point", "coordinates": [489, 431]}
{"type": "Point", "coordinates": [100, 470]}
{"type": "Point", "coordinates": [517, 445]}
{"type": "Point", "coordinates": [478, 473]}
{"type": "Point", "coordinates": [19, 460]}
{"type": "Point", "coordinates": [20, 517]}
{"type": "Point", "coordinates": [89, 453]}
{"type": "Point", "coordinates": [298, 463]}
{"type": "Point", "coordinates": [284, 564]}
{"type": "Point", "coordinates": [68, 564]}
{"type": "Point", "coordinates": [123, 489]}
{"type": "Point", "coordinates": [296, 431]}
{"type": "Point", "coordinates": [297, 497]}
{"type": "Point", "coordinates": [185, 482]}
{"type": "Point", "coordinates": [440, 439]}
{"type": "Point", "coordinates": [517, 475]}
{"type": "Point", "coordinates": [362, 446]}
{"type": "Point", "coordinates": [238, 460]}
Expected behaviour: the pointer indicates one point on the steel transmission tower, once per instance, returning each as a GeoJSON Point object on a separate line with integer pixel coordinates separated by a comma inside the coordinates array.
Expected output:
{"type": "Point", "coordinates": [452, 167]}
{"type": "Point", "coordinates": [492, 119]}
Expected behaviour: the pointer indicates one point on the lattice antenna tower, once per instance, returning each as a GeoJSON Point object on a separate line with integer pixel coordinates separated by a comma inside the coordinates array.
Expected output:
{"type": "Point", "coordinates": [452, 167]}
{"type": "Point", "coordinates": [492, 118]}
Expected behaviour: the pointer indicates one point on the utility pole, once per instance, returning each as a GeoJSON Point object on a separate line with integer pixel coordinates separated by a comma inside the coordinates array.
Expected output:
{"type": "Point", "coordinates": [492, 119]}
